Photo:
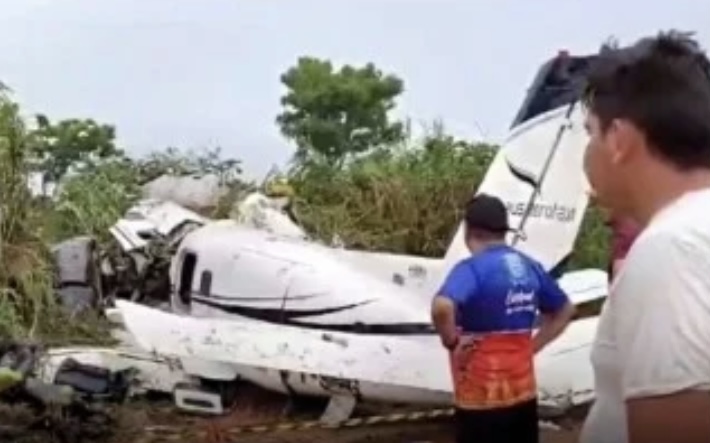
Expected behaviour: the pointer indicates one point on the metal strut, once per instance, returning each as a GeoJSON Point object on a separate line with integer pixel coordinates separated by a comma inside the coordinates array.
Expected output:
{"type": "Point", "coordinates": [519, 232]}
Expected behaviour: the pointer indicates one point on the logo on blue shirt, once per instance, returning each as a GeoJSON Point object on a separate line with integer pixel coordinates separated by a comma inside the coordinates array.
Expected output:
{"type": "Point", "coordinates": [501, 290]}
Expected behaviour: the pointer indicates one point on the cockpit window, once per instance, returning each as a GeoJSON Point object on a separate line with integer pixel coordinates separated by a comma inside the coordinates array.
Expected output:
{"type": "Point", "coordinates": [558, 83]}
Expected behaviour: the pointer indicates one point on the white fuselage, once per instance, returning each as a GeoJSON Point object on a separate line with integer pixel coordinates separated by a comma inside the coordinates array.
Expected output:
{"type": "Point", "coordinates": [381, 368]}
{"type": "Point", "coordinates": [248, 274]}
{"type": "Point", "coordinates": [244, 273]}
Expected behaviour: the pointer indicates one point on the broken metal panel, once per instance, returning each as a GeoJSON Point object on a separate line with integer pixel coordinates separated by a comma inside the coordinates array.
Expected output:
{"type": "Point", "coordinates": [163, 217]}
{"type": "Point", "coordinates": [191, 191]}
{"type": "Point", "coordinates": [340, 408]}
{"type": "Point", "coordinates": [152, 373]}
{"type": "Point", "coordinates": [78, 279]}
{"type": "Point", "coordinates": [133, 234]}
{"type": "Point", "coordinates": [74, 259]}
{"type": "Point", "coordinates": [261, 212]}
{"type": "Point", "coordinates": [94, 382]}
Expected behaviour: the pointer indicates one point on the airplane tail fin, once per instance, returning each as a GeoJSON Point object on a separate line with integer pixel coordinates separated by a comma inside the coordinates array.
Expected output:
{"type": "Point", "coordinates": [538, 170]}
{"type": "Point", "coordinates": [538, 175]}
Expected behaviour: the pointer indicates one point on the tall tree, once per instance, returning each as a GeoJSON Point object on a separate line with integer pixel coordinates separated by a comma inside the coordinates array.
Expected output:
{"type": "Point", "coordinates": [59, 146]}
{"type": "Point", "coordinates": [331, 114]}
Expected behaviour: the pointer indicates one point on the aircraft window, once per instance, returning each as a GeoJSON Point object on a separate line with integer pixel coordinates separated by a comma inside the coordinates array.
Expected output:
{"type": "Point", "coordinates": [187, 273]}
{"type": "Point", "coordinates": [558, 82]}
{"type": "Point", "coordinates": [147, 235]}
{"type": "Point", "coordinates": [205, 283]}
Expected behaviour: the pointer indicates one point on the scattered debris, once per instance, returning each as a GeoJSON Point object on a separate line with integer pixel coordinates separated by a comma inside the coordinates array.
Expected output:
{"type": "Point", "coordinates": [63, 410]}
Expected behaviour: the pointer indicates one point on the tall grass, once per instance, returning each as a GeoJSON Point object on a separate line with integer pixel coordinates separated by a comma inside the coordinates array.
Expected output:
{"type": "Point", "coordinates": [90, 202]}
{"type": "Point", "coordinates": [28, 307]}
{"type": "Point", "coordinates": [407, 199]}
{"type": "Point", "coordinates": [403, 199]}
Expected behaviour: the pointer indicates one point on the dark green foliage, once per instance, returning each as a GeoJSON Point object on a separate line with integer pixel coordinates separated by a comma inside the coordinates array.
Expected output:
{"type": "Point", "coordinates": [332, 114]}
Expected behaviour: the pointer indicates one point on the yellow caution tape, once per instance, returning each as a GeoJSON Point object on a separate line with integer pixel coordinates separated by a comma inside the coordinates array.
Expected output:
{"type": "Point", "coordinates": [219, 433]}
{"type": "Point", "coordinates": [214, 433]}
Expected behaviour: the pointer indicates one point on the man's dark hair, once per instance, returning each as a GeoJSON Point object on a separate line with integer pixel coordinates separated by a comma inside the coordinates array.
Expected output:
{"type": "Point", "coordinates": [661, 85]}
{"type": "Point", "coordinates": [487, 217]}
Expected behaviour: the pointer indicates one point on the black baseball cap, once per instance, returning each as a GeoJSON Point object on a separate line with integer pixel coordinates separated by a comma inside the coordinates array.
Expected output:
{"type": "Point", "coordinates": [487, 213]}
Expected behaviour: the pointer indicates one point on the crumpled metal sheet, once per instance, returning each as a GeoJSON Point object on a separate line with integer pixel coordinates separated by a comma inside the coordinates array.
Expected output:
{"type": "Point", "coordinates": [190, 191]}
{"type": "Point", "coordinates": [73, 258]}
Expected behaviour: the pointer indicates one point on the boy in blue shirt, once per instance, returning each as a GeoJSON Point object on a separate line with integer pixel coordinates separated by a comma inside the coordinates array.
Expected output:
{"type": "Point", "coordinates": [485, 313]}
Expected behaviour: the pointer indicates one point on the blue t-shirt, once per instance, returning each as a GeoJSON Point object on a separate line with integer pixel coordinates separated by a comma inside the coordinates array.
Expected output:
{"type": "Point", "coordinates": [501, 290]}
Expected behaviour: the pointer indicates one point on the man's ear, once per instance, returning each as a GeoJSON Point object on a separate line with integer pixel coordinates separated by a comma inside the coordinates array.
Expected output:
{"type": "Point", "coordinates": [624, 142]}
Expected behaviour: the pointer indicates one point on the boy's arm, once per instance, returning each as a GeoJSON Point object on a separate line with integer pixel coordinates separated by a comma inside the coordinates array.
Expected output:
{"type": "Point", "coordinates": [556, 311]}
{"type": "Point", "coordinates": [459, 286]}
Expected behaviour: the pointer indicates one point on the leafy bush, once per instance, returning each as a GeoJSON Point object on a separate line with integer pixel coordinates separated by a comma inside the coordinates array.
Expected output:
{"type": "Point", "coordinates": [401, 200]}
{"type": "Point", "coordinates": [90, 202]}
{"type": "Point", "coordinates": [407, 199]}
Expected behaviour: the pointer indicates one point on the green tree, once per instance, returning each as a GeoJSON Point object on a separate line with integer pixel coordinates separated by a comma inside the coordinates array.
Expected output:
{"type": "Point", "coordinates": [332, 114]}
{"type": "Point", "coordinates": [59, 146]}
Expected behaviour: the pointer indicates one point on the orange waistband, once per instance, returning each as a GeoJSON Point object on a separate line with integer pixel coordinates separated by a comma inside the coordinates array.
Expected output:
{"type": "Point", "coordinates": [493, 370]}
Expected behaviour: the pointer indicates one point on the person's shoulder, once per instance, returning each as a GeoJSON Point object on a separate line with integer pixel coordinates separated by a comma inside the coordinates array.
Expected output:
{"type": "Point", "coordinates": [685, 223]}
{"type": "Point", "coordinates": [460, 279]}
{"type": "Point", "coordinates": [520, 263]}
{"type": "Point", "coordinates": [525, 258]}
{"type": "Point", "coordinates": [673, 250]}
{"type": "Point", "coordinates": [666, 244]}
{"type": "Point", "coordinates": [465, 266]}
{"type": "Point", "coordinates": [661, 293]}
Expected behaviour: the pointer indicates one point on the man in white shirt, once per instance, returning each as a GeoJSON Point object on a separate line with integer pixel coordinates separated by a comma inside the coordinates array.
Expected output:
{"type": "Point", "coordinates": [649, 158]}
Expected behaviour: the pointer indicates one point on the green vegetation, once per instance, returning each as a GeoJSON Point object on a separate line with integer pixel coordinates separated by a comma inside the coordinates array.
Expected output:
{"type": "Point", "coordinates": [357, 173]}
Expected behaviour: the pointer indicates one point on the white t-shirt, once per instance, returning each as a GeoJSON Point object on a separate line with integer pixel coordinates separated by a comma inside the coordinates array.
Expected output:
{"type": "Point", "coordinates": [653, 336]}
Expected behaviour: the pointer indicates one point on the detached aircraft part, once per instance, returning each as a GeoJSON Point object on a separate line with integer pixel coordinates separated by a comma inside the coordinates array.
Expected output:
{"type": "Point", "coordinates": [62, 409]}
{"type": "Point", "coordinates": [137, 267]}
{"type": "Point", "coordinates": [411, 370]}
{"type": "Point", "coordinates": [78, 276]}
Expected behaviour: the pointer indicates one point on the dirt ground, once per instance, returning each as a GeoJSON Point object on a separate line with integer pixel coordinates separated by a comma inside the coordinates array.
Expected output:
{"type": "Point", "coordinates": [260, 407]}
{"type": "Point", "coordinates": [417, 433]}
{"type": "Point", "coordinates": [439, 432]}
{"type": "Point", "coordinates": [432, 432]}
{"type": "Point", "coordinates": [146, 422]}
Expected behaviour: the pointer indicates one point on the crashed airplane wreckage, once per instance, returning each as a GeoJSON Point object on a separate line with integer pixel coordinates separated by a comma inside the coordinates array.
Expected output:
{"type": "Point", "coordinates": [256, 300]}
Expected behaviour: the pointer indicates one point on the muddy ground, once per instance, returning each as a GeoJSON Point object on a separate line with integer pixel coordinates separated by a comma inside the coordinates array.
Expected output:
{"type": "Point", "coordinates": [158, 421]}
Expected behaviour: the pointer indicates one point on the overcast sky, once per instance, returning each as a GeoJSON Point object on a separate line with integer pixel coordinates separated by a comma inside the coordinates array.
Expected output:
{"type": "Point", "coordinates": [193, 73]}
